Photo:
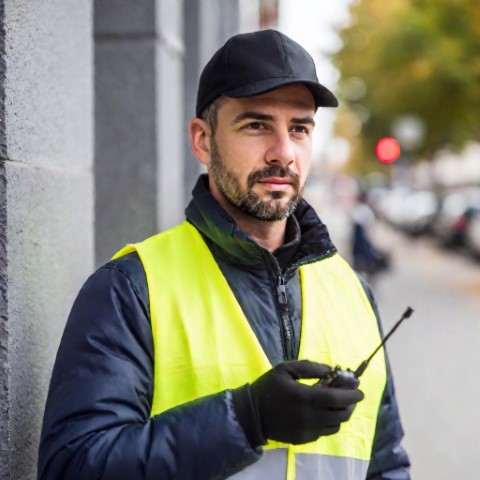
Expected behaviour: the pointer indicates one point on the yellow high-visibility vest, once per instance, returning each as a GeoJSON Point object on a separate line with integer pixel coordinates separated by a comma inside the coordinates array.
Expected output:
{"type": "Point", "coordinates": [203, 344]}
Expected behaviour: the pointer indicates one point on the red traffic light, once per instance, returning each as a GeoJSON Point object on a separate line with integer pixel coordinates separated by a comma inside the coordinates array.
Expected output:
{"type": "Point", "coordinates": [387, 150]}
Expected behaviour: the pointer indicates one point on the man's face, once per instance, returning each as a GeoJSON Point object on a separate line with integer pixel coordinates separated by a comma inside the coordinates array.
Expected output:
{"type": "Point", "coordinates": [261, 152]}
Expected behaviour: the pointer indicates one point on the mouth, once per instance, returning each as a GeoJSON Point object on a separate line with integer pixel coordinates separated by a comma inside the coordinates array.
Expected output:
{"type": "Point", "coordinates": [276, 183]}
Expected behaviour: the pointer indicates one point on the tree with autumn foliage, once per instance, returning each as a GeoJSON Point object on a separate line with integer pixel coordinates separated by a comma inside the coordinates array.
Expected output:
{"type": "Point", "coordinates": [415, 59]}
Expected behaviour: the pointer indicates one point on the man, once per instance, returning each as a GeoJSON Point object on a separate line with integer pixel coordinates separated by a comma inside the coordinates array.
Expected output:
{"type": "Point", "coordinates": [197, 354]}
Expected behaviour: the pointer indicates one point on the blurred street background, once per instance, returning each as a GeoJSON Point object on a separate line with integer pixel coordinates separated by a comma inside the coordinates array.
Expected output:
{"type": "Point", "coordinates": [434, 355]}
{"type": "Point", "coordinates": [397, 179]}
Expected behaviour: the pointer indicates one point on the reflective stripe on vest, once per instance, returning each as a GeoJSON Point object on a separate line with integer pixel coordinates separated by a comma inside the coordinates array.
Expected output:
{"type": "Point", "coordinates": [308, 466]}
{"type": "Point", "coordinates": [204, 344]}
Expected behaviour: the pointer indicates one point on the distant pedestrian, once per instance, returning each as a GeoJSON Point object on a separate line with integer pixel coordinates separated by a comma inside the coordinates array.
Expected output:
{"type": "Point", "coordinates": [368, 259]}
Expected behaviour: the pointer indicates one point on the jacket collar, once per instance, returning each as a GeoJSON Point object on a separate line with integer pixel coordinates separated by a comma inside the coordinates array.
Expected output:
{"type": "Point", "coordinates": [206, 214]}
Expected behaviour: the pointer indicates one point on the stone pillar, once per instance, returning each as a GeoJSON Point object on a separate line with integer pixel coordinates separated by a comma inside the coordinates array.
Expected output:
{"type": "Point", "coordinates": [46, 204]}
{"type": "Point", "coordinates": [126, 146]}
{"type": "Point", "coordinates": [171, 124]}
{"type": "Point", "coordinates": [139, 120]}
{"type": "Point", "coordinates": [192, 29]}
{"type": "Point", "coordinates": [207, 24]}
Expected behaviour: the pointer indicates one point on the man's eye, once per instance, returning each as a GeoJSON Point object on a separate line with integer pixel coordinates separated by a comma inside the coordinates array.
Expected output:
{"type": "Point", "coordinates": [299, 129]}
{"type": "Point", "coordinates": [255, 126]}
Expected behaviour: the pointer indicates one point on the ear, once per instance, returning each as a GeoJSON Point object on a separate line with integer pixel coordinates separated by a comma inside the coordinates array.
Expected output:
{"type": "Point", "coordinates": [200, 134]}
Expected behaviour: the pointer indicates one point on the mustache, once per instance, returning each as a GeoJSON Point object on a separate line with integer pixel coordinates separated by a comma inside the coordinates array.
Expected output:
{"type": "Point", "coordinates": [274, 171]}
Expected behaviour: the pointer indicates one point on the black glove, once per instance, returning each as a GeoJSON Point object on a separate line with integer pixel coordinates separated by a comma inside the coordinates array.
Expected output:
{"type": "Point", "coordinates": [292, 412]}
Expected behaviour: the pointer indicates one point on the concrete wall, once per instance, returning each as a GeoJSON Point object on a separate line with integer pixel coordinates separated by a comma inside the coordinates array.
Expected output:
{"type": "Point", "coordinates": [4, 377]}
{"type": "Point", "coordinates": [46, 201]}
{"type": "Point", "coordinates": [146, 57]}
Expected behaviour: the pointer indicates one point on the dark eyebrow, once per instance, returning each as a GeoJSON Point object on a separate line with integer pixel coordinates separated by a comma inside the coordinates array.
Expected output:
{"type": "Point", "coordinates": [262, 116]}
{"type": "Point", "coordinates": [252, 116]}
{"type": "Point", "coordinates": [304, 121]}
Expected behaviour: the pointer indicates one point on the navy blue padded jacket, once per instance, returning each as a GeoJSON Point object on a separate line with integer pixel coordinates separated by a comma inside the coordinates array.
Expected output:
{"type": "Point", "coordinates": [97, 421]}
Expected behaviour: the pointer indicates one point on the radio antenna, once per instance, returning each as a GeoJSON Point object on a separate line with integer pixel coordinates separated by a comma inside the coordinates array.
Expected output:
{"type": "Point", "coordinates": [361, 368]}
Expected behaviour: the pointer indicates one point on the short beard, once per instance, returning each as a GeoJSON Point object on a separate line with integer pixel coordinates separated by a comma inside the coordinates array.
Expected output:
{"type": "Point", "coordinates": [249, 202]}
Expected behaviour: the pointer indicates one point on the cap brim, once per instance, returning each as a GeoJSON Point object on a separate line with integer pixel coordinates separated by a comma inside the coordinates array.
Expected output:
{"type": "Point", "coordinates": [322, 96]}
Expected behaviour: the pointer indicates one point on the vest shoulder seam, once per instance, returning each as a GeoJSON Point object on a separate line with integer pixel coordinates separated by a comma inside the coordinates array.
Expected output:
{"type": "Point", "coordinates": [126, 276]}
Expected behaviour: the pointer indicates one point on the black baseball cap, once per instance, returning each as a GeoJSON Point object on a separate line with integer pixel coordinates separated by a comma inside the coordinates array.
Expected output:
{"type": "Point", "coordinates": [253, 63]}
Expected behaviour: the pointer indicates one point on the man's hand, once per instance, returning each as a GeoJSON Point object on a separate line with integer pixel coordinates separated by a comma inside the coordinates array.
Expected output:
{"type": "Point", "coordinates": [295, 413]}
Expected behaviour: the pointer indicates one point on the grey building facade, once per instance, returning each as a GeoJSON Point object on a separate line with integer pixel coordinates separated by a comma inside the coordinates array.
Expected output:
{"type": "Point", "coordinates": [95, 98]}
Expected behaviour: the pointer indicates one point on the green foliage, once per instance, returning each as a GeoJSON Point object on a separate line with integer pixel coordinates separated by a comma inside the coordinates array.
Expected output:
{"type": "Point", "coordinates": [415, 57]}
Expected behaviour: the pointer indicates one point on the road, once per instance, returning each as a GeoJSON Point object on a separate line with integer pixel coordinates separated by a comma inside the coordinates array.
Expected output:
{"type": "Point", "coordinates": [435, 355]}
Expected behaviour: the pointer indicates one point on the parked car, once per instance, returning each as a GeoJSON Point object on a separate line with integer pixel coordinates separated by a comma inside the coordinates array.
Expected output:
{"type": "Point", "coordinates": [392, 207]}
{"type": "Point", "coordinates": [453, 216]}
{"type": "Point", "coordinates": [472, 234]}
{"type": "Point", "coordinates": [420, 210]}
{"type": "Point", "coordinates": [411, 211]}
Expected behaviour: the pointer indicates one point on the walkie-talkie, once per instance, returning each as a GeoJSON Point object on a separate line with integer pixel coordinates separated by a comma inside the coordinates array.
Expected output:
{"type": "Point", "coordinates": [340, 378]}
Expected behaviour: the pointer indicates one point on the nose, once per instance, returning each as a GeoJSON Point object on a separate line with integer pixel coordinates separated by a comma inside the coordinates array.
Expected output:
{"type": "Point", "coordinates": [281, 151]}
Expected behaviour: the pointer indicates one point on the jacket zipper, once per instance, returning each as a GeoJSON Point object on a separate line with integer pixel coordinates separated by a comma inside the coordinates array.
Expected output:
{"type": "Point", "coordinates": [286, 323]}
